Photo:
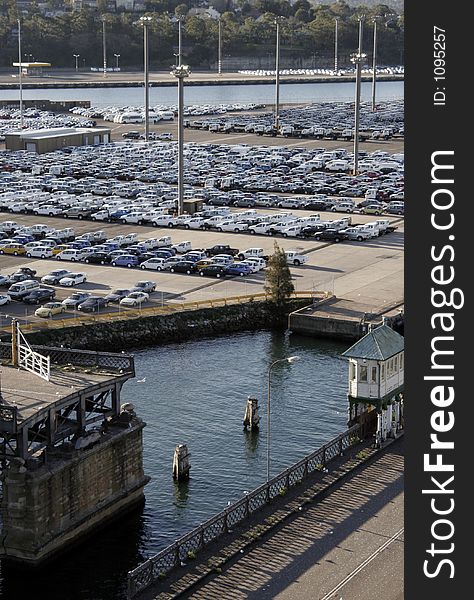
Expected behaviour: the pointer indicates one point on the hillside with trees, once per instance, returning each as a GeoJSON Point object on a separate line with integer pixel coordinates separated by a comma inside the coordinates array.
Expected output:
{"type": "Point", "coordinates": [56, 32]}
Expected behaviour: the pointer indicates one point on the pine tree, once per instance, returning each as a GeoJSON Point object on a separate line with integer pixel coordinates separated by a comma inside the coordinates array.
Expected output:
{"type": "Point", "coordinates": [278, 283]}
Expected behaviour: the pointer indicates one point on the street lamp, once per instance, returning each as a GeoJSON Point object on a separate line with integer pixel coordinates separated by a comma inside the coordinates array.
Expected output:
{"type": "Point", "coordinates": [76, 56]}
{"type": "Point", "coordinates": [117, 56]}
{"type": "Point", "coordinates": [180, 72]}
{"type": "Point", "coordinates": [278, 20]}
{"type": "Point", "coordinates": [219, 47]}
{"type": "Point", "coordinates": [180, 40]}
{"type": "Point", "coordinates": [20, 74]}
{"type": "Point", "coordinates": [104, 46]}
{"type": "Point", "coordinates": [374, 65]}
{"type": "Point", "coordinates": [336, 35]}
{"type": "Point", "coordinates": [357, 59]}
{"type": "Point", "coordinates": [145, 21]}
{"type": "Point", "coordinates": [289, 359]}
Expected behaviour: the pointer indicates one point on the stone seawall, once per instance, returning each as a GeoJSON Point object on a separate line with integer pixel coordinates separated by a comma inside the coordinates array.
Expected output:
{"type": "Point", "coordinates": [162, 329]}
{"type": "Point", "coordinates": [46, 509]}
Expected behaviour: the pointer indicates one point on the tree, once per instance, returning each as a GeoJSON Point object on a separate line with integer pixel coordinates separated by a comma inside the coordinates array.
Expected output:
{"type": "Point", "coordinates": [278, 284]}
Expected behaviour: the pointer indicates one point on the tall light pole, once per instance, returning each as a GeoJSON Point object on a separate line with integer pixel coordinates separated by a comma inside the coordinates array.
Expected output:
{"type": "Point", "coordinates": [277, 74]}
{"type": "Point", "coordinates": [290, 359]}
{"type": "Point", "coordinates": [20, 74]}
{"type": "Point", "coordinates": [180, 40]}
{"type": "Point", "coordinates": [145, 21]}
{"type": "Point", "coordinates": [357, 59]}
{"type": "Point", "coordinates": [219, 47]}
{"type": "Point", "coordinates": [336, 35]}
{"type": "Point", "coordinates": [374, 65]}
{"type": "Point", "coordinates": [181, 72]}
{"type": "Point", "coordinates": [117, 56]}
{"type": "Point", "coordinates": [104, 46]}
{"type": "Point", "coordinates": [76, 56]}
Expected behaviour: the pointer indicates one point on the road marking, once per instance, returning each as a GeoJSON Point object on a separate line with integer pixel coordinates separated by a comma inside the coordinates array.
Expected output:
{"type": "Point", "coordinates": [363, 565]}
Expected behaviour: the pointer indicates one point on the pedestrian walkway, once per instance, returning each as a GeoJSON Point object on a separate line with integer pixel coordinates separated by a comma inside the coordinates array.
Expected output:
{"type": "Point", "coordinates": [309, 543]}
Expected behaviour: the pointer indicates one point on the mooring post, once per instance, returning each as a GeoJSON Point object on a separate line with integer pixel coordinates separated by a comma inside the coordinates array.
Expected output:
{"type": "Point", "coordinates": [251, 417]}
{"type": "Point", "coordinates": [181, 465]}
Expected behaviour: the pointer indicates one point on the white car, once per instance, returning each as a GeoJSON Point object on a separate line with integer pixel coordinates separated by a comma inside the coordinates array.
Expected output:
{"type": "Point", "coordinates": [134, 299]}
{"type": "Point", "coordinates": [295, 258]}
{"type": "Point", "coordinates": [233, 226]}
{"type": "Point", "coordinates": [48, 209]}
{"type": "Point", "coordinates": [137, 217]}
{"type": "Point", "coordinates": [101, 215]}
{"type": "Point", "coordinates": [252, 264]}
{"type": "Point", "coordinates": [195, 223]}
{"type": "Point", "coordinates": [73, 279]}
{"type": "Point", "coordinates": [4, 299]}
{"type": "Point", "coordinates": [40, 252]}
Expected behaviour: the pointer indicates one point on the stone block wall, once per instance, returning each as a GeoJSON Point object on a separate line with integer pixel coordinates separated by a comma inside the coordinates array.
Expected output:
{"type": "Point", "coordinates": [46, 509]}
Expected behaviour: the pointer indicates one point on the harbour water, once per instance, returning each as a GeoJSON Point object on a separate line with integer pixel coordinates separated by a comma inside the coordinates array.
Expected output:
{"type": "Point", "coordinates": [195, 393]}
{"type": "Point", "coordinates": [217, 94]}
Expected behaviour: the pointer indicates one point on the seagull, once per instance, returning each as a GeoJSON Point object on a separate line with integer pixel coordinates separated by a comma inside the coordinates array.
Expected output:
{"type": "Point", "coordinates": [141, 380]}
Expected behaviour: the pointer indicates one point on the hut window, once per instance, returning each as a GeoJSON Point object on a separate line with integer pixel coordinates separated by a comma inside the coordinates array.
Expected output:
{"type": "Point", "coordinates": [363, 374]}
{"type": "Point", "coordinates": [395, 364]}
{"type": "Point", "coordinates": [374, 374]}
{"type": "Point", "coordinates": [401, 361]}
{"type": "Point", "coordinates": [352, 371]}
{"type": "Point", "coordinates": [382, 372]}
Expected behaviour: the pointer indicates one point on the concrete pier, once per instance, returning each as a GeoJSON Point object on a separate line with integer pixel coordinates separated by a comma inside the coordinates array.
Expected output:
{"type": "Point", "coordinates": [71, 454]}
{"type": "Point", "coordinates": [343, 318]}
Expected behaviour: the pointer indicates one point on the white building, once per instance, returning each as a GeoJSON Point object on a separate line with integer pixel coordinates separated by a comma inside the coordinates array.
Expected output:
{"type": "Point", "coordinates": [376, 380]}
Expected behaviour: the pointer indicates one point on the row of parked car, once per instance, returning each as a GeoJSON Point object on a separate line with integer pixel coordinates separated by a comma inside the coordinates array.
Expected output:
{"type": "Point", "coordinates": [24, 286]}
{"type": "Point", "coordinates": [324, 120]}
{"type": "Point", "coordinates": [38, 119]}
{"type": "Point", "coordinates": [149, 170]}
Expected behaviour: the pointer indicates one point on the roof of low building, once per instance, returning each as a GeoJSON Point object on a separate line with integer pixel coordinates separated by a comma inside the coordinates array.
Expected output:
{"type": "Point", "coordinates": [56, 132]}
{"type": "Point", "coordinates": [379, 344]}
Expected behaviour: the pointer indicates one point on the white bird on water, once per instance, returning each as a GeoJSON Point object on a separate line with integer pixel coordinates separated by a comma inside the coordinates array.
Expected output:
{"type": "Point", "coordinates": [141, 380]}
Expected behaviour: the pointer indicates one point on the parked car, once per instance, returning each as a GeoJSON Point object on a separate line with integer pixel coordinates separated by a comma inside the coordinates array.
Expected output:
{"type": "Point", "coordinates": [39, 252]}
{"type": "Point", "coordinates": [238, 269]}
{"type": "Point", "coordinates": [213, 271]}
{"type": "Point", "coordinates": [126, 260]}
{"type": "Point", "coordinates": [75, 299]}
{"type": "Point", "coordinates": [19, 290]}
{"type": "Point", "coordinates": [97, 258]}
{"type": "Point", "coordinates": [221, 249]}
{"type": "Point", "coordinates": [134, 299]}
{"type": "Point", "coordinates": [4, 299]}
{"type": "Point", "coordinates": [117, 295]}
{"type": "Point", "coordinates": [92, 304]}
{"type": "Point", "coordinates": [73, 279]}
{"type": "Point", "coordinates": [184, 266]}
{"type": "Point", "coordinates": [144, 286]}
{"type": "Point", "coordinates": [295, 258]}
{"type": "Point", "coordinates": [54, 277]}
{"type": "Point", "coordinates": [27, 271]}
{"type": "Point", "coordinates": [329, 234]}
{"type": "Point", "coordinates": [13, 248]}
{"type": "Point", "coordinates": [50, 309]}
{"type": "Point", "coordinates": [372, 209]}
{"type": "Point", "coordinates": [39, 295]}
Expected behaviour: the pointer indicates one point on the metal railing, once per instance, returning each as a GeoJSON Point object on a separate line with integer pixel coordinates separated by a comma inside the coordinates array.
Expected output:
{"type": "Point", "coordinates": [151, 311]}
{"type": "Point", "coordinates": [159, 565]}
{"type": "Point", "coordinates": [108, 361]}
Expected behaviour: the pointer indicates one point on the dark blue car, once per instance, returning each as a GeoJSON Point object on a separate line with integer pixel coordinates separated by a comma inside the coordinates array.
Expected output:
{"type": "Point", "coordinates": [126, 260]}
{"type": "Point", "coordinates": [237, 269]}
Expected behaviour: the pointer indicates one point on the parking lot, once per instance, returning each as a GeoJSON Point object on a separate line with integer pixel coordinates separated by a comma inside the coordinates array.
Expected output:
{"type": "Point", "coordinates": [373, 268]}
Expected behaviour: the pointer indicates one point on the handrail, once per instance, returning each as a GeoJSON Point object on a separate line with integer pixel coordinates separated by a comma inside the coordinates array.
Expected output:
{"type": "Point", "coordinates": [149, 311]}
{"type": "Point", "coordinates": [110, 361]}
{"type": "Point", "coordinates": [160, 564]}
